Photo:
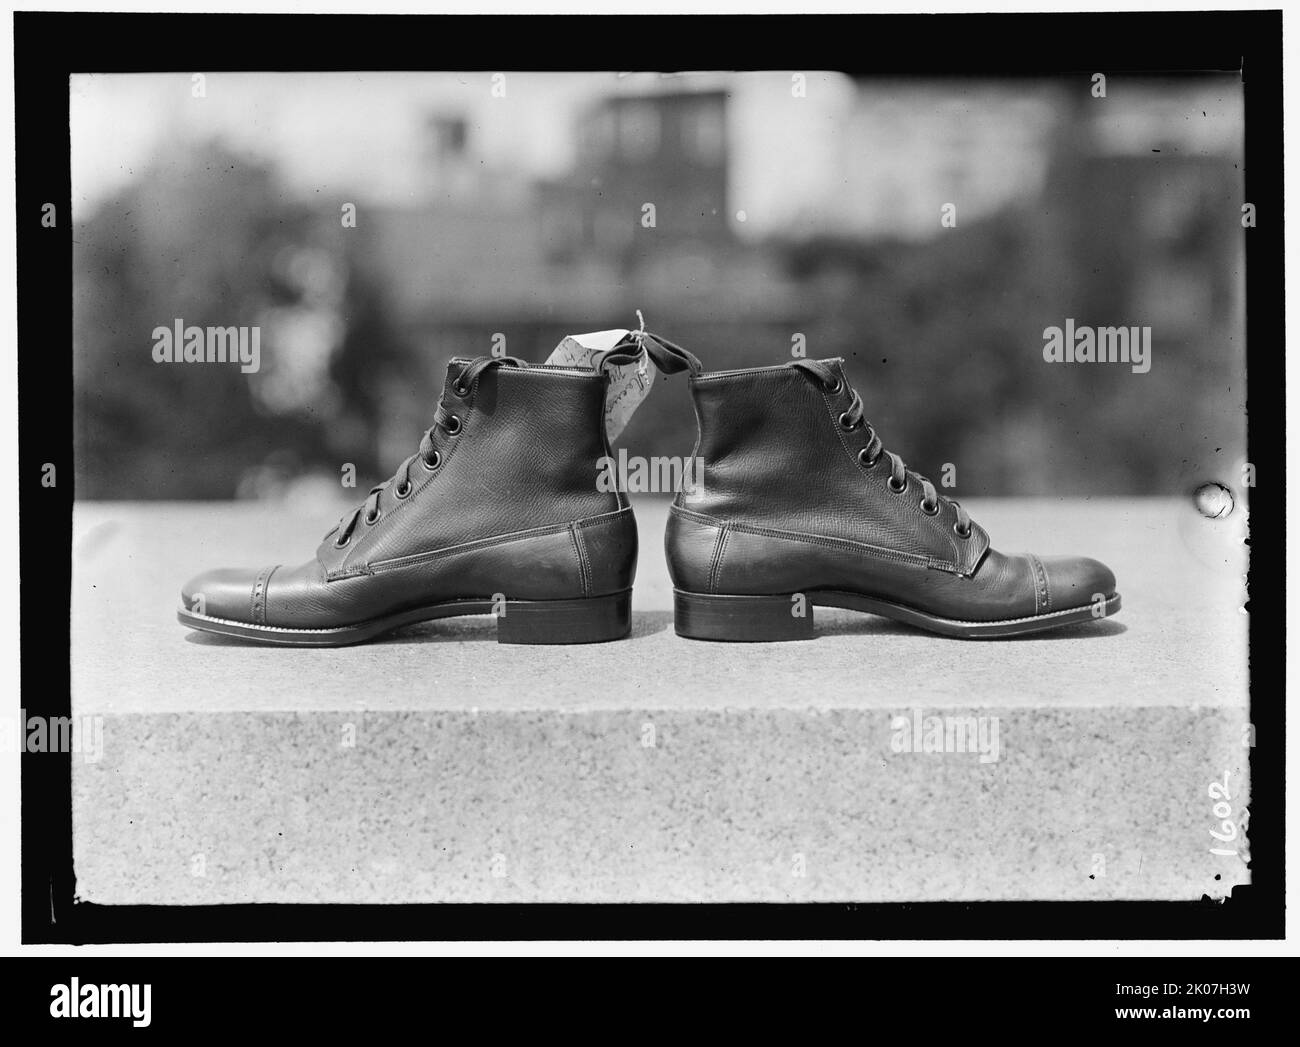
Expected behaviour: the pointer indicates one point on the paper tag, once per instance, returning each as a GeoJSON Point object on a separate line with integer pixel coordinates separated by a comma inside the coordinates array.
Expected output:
{"type": "Point", "coordinates": [629, 384]}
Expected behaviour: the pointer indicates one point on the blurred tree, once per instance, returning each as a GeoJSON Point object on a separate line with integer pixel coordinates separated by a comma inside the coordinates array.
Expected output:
{"type": "Point", "coordinates": [211, 239]}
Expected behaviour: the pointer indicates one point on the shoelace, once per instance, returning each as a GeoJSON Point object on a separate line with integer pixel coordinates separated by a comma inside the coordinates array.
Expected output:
{"type": "Point", "coordinates": [429, 456]}
{"type": "Point", "coordinates": [870, 455]}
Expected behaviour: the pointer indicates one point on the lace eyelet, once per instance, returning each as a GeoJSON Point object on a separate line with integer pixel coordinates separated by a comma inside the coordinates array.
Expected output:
{"type": "Point", "coordinates": [897, 490]}
{"type": "Point", "coordinates": [960, 533]}
{"type": "Point", "coordinates": [845, 424]}
{"type": "Point", "coordinates": [835, 387]}
{"type": "Point", "coordinates": [460, 390]}
{"type": "Point", "coordinates": [864, 459]}
{"type": "Point", "coordinates": [342, 544]}
{"type": "Point", "coordinates": [930, 510]}
{"type": "Point", "coordinates": [373, 518]}
{"type": "Point", "coordinates": [403, 490]}
{"type": "Point", "coordinates": [452, 425]}
{"type": "Point", "coordinates": [432, 463]}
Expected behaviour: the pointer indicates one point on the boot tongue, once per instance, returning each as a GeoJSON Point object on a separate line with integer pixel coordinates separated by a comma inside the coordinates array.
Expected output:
{"type": "Point", "coordinates": [629, 383]}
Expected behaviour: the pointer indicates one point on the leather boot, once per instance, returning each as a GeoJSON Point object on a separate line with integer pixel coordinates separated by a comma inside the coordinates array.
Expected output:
{"type": "Point", "coordinates": [803, 507]}
{"type": "Point", "coordinates": [497, 512]}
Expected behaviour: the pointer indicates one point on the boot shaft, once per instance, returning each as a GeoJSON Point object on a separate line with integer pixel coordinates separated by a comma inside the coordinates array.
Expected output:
{"type": "Point", "coordinates": [516, 448]}
{"type": "Point", "coordinates": [778, 453]}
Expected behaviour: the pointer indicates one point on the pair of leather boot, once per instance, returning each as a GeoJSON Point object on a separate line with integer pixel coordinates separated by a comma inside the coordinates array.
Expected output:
{"type": "Point", "coordinates": [499, 512]}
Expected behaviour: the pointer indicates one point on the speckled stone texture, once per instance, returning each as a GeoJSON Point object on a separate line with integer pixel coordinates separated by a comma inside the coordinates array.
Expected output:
{"type": "Point", "coordinates": [441, 766]}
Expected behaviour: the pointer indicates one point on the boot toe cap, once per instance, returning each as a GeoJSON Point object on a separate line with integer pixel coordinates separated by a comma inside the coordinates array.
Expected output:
{"type": "Point", "coordinates": [1075, 581]}
{"type": "Point", "coordinates": [223, 593]}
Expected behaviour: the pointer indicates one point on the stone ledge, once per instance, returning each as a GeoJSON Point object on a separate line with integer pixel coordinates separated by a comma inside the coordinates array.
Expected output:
{"type": "Point", "coordinates": [768, 759]}
{"type": "Point", "coordinates": [652, 805]}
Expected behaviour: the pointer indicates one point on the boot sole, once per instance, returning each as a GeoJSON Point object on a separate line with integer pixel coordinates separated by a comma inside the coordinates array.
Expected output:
{"type": "Point", "coordinates": [596, 619]}
{"type": "Point", "coordinates": [773, 618]}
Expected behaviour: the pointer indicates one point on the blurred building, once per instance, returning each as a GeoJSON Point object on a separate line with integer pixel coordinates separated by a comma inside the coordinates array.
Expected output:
{"type": "Point", "coordinates": [784, 208]}
{"type": "Point", "coordinates": [1158, 179]}
{"type": "Point", "coordinates": [907, 151]}
{"type": "Point", "coordinates": [654, 163]}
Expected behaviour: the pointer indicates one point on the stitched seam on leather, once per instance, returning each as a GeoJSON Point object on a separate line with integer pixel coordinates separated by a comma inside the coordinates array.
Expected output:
{"type": "Point", "coordinates": [722, 552]}
{"type": "Point", "coordinates": [471, 606]}
{"type": "Point", "coordinates": [981, 621]}
{"type": "Point", "coordinates": [719, 544]}
{"type": "Point", "coordinates": [603, 518]}
{"type": "Point", "coordinates": [691, 514]}
{"type": "Point", "coordinates": [744, 372]}
{"type": "Point", "coordinates": [945, 565]}
{"type": "Point", "coordinates": [534, 372]}
{"type": "Point", "coordinates": [452, 550]}
{"type": "Point", "coordinates": [839, 429]}
{"type": "Point", "coordinates": [816, 539]}
{"type": "Point", "coordinates": [680, 496]}
{"type": "Point", "coordinates": [978, 534]}
{"type": "Point", "coordinates": [1042, 593]}
{"type": "Point", "coordinates": [478, 543]}
{"type": "Point", "coordinates": [259, 594]}
{"type": "Point", "coordinates": [581, 550]}
{"type": "Point", "coordinates": [620, 497]}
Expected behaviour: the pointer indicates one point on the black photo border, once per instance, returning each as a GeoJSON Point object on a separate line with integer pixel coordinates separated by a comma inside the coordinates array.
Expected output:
{"type": "Point", "coordinates": [49, 47]}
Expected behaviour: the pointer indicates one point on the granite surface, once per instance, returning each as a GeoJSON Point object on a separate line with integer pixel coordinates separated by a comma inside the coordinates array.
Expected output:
{"type": "Point", "coordinates": [441, 766]}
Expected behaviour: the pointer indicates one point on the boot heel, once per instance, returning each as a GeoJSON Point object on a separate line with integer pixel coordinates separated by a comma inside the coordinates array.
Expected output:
{"type": "Point", "coordinates": [742, 618]}
{"type": "Point", "coordinates": [592, 620]}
